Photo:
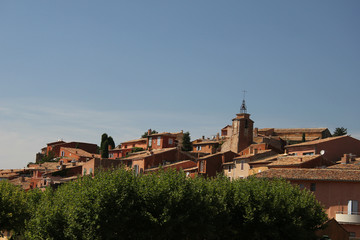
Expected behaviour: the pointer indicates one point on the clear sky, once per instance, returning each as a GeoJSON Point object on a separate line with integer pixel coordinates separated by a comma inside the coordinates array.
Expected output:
{"type": "Point", "coordinates": [76, 69]}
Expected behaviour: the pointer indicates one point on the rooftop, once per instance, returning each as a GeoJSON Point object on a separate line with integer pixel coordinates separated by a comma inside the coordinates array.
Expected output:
{"type": "Point", "coordinates": [293, 160]}
{"type": "Point", "coordinates": [312, 174]}
{"type": "Point", "coordinates": [81, 153]}
{"type": "Point", "coordinates": [148, 153]}
{"type": "Point", "coordinates": [297, 130]}
{"type": "Point", "coordinates": [135, 140]}
{"type": "Point", "coordinates": [316, 141]}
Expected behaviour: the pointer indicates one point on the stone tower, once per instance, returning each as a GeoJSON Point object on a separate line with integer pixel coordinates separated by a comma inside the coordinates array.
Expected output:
{"type": "Point", "coordinates": [242, 132]}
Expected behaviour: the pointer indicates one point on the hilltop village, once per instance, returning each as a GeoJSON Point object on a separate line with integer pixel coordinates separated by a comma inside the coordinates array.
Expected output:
{"type": "Point", "coordinates": [308, 157]}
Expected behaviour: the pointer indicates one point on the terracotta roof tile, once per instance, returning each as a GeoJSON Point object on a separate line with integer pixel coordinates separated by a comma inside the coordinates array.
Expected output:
{"type": "Point", "coordinates": [316, 141]}
{"type": "Point", "coordinates": [81, 153]}
{"type": "Point", "coordinates": [293, 160]}
{"type": "Point", "coordinates": [135, 140]}
{"type": "Point", "coordinates": [311, 174]}
{"type": "Point", "coordinates": [303, 130]}
{"type": "Point", "coordinates": [345, 166]}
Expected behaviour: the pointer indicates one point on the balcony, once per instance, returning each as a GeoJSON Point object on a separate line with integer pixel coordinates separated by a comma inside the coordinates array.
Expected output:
{"type": "Point", "coordinates": [345, 217]}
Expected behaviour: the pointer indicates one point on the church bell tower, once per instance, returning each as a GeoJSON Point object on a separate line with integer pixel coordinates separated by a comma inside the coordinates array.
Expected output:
{"type": "Point", "coordinates": [242, 134]}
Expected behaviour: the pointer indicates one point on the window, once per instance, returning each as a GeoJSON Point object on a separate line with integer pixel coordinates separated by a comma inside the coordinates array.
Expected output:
{"type": "Point", "coordinates": [308, 153]}
{"type": "Point", "coordinates": [150, 141]}
{"type": "Point", "coordinates": [198, 148]}
{"type": "Point", "coordinates": [242, 165]}
{"type": "Point", "coordinates": [84, 171]}
{"type": "Point", "coordinates": [170, 141]}
{"type": "Point", "coordinates": [301, 186]}
{"type": "Point", "coordinates": [90, 171]}
{"type": "Point", "coordinates": [313, 187]}
{"type": "Point", "coordinates": [202, 166]}
{"type": "Point", "coordinates": [246, 123]}
{"type": "Point", "coordinates": [229, 169]}
{"type": "Point", "coordinates": [158, 141]}
{"type": "Point", "coordinates": [352, 207]}
{"type": "Point", "coordinates": [62, 153]}
{"type": "Point", "coordinates": [136, 169]}
{"type": "Point", "coordinates": [352, 234]}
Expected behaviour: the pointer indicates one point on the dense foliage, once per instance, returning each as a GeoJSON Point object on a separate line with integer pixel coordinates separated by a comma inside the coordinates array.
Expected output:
{"type": "Point", "coordinates": [186, 142]}
{"type": "Point", "coordinates": [15, 207]}
{"type": "Point", "coordinates": [106, 141]}
{"type": "Point", "coordinates": [145, 135]}
{"type": "Point", "coordinates": [168, 205]}
{"type": "Point", "coordinates": [340, 131]}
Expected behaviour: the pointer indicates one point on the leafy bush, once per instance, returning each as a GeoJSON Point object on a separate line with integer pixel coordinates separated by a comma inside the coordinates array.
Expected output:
{"type": "Point", "coordinates": [168, 205]}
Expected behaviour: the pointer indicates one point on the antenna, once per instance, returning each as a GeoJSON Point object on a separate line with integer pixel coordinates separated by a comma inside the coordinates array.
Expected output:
{"type": "Point", "coordinates": [243, 108]}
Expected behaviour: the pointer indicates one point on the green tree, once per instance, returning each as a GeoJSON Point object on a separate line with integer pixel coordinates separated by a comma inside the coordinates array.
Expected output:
{"type": "Point", "coordinates": [186, 142]}
{"type": "Point", "coordinates": [340, 131]}
{"type": "Point", "coordinates": [104, 137]}
{"type": "Point", "coordinates": [48, 157]}
{"type": "Point", "coordinates": [111, 142]}
{"type": "Point", "coordinates": [106, 141]}
{"type": "Point", "coordinates": [146, 133]}
{"type": "Point", "coordinates": [303, 137]}
{"type": "Point", "coordinates": [13, 208]}
{"type": "Point", "coordinates": [105, 149]}
{"type": "Point", "coordinates": [168, 205]}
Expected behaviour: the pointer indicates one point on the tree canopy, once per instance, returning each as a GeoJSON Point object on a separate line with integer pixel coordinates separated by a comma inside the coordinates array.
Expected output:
{"type": "Point", "coordinates": [106, 141]}
{"type": "Point", "coordinates": [186, 142]}
{"type": "Point", "coordinates": [340, 131]}
{"type": "Point", "coordinates": [164, 205]}
{"type": "Point", "coordinates": [146, 133]}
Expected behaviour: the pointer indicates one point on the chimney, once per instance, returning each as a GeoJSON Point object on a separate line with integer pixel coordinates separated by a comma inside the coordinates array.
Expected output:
{"type": "Point", "coordinates": [203, 137]}
{"type": "Point", "coordinates": [149, 132]}
{"type": "Point", "coordinates": [256, 132]}
{"type": "Point", "coordinates": [345, 159]}
{"type": "Point", "coordinates": [217, 137]}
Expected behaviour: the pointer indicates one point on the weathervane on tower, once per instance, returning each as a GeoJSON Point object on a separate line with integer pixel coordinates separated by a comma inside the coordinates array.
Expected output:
{"type": "Point", "coordinates": [243, 106]}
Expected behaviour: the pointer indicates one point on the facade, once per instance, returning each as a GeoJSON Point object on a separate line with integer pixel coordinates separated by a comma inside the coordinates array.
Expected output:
{"type": "Point", "coordinates": [241, 166]}
{"type": "Point", "coordinates": [54, 147]}
{"type": "Point", "coordinates": [211, 165]}
{"type": "Point", "coordinates": [241, 135]}
{"type": "Point", "coordinates": [126, 148]}
{"type": "Point", "coordinates": [332, 148]}
{"type": "Point", "coordinates": [187, 166]}
{"type": "Point", "coordinates": [155, 158]}
{"type": "Point", "coordinates": [163, 140]}
{"type": "Point", "coordinates": [206, 146]}
{"type": "Point", "coordinates": [336, 189]}
{"type": "Point", "coordinates": [295, 135]}
{"type": "Point", "coordinates": [75, 154]}
{"type": "Point", "coordinates": [96, 164]}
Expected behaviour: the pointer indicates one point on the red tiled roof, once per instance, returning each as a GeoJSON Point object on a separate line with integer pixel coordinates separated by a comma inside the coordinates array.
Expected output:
{"type": "Point", "coordinates": [345, 166]}
{"type": "Point", "coordinates": [81, 153]}
{"type": "Point", "coordinates": [205, 142]}
{"type": "Point", "coordinates": [311, 174]}
{"type": "Point", "coordinates": [297, 130]}
{"type": "Point", "coordinates": [147, 153]}
{"type": "Point", "coordinates": [316, 141]}
{"type": "Point", "coordinates": [135, 140]}
{"type": "Point", "coordinates": [293, 160]}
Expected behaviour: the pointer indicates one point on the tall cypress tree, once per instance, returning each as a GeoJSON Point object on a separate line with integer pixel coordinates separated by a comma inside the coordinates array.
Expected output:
{"type": "Point", "coordinates": [186, 142]}
{"type": "Point", "coordinates": [106, 141]}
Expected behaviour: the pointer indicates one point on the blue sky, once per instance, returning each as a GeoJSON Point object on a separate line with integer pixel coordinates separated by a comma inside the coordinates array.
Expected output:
{"type": "Point", "coordinates": [76, 69]}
